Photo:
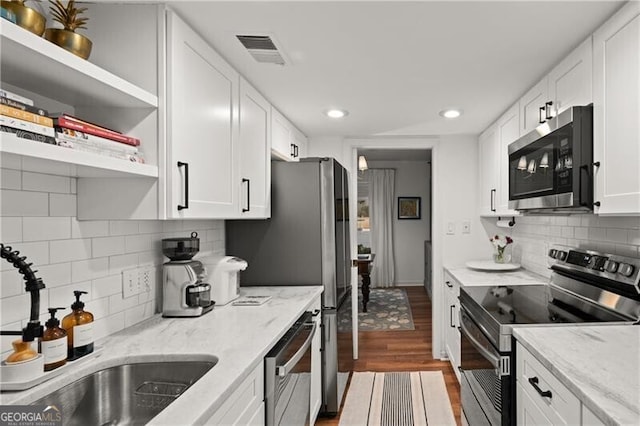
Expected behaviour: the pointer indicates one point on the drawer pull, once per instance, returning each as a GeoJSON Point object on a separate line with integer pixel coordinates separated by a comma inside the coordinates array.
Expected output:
{"type": "Point", "coordinates": [534, 382]}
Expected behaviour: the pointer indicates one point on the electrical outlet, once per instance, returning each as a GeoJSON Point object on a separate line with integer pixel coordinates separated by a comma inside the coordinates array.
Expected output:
{"type": "Point", "coordinates": [138, 280]}
{"type": "Point", "coordinates": [147, 279]}
{"type": "Point", "coordinates": [466, 227]}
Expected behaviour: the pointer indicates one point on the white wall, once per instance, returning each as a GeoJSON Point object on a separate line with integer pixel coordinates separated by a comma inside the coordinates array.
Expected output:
{"type": "Point", "coordinates": [533, 236]}
{"type": "Point", "coordinates": [411, 180]}
{"type": "Point", "coordinates": [38, 217]}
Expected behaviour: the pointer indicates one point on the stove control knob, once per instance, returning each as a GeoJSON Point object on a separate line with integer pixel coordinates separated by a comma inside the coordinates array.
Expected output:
{"type": "Point", "coordinates": [561, 255]}
{"type": "Point", "coordinates": [626, 269]}
{"type": "Point", "coordinates": [611, 266]}
{"type": "Point", "coordinates": [552, 253]}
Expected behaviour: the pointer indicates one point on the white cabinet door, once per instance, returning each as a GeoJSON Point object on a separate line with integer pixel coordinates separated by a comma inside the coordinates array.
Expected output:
{"type": "Point", "coordinates": [281, 136]}
{"type": "Point", "coordinates": [616, 96]}
{"type": "Point", "coordinates": [571, 80]}
{"type": "Point", "coordinates": [530, 104]}
{"type": "Point", "coordinates": [488, 149]}
{"type": "Point", "coordinates": [452, 335]}
{"type": "Point", "coordinates": [255, 153]}
{"type": "Point", "coordinates": [528, 413]}
{"type": "Point", "coordinates": [202, 129]}
{"type": "Point", "coordinates": [508, 131]}
{"type": "Point", "coordinates": [300, 144]}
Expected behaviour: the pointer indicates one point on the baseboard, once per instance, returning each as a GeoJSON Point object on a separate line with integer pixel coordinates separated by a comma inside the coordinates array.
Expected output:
{"type": "Point", "coordinates": [409, 284]}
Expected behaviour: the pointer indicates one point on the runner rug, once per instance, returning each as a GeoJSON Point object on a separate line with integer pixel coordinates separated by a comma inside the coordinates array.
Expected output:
{"type": "Point", "coordinates": [388, 309]}
{"type": "Point", "coordinates": [397, 399]}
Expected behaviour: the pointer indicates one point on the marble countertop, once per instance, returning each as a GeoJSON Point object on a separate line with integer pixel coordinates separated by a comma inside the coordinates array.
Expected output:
{"type": "Point", "coordinates": [471, 277]}
{"type": "Point", "coordinates": [239, 336]}
{"type": "Point", "coordinates": [600, 364]}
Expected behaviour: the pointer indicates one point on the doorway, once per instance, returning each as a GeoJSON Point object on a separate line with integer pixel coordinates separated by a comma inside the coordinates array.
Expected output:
{"type": "Point", "coordinates": [408, 219]}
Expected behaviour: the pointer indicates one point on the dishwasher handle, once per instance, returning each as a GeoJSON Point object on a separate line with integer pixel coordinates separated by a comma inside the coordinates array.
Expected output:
{"type": "Point", "coordinates": [283, 370]}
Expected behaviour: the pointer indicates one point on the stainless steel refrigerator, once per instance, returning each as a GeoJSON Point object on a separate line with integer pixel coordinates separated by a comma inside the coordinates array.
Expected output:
{"type": "Point", "coordinates": [305, 242]}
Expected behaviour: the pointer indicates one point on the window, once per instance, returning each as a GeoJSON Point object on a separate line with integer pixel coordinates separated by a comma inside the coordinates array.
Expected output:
{"type": "Point", "coordinates": [363, 214]}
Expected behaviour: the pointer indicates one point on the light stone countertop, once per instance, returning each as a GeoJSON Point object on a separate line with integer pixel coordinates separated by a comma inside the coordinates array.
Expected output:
{"type": "Point", "coordinates": [600, 364]}
{"type": "Point", "coordinates": [471, 277]}
{"type": "Point", "coordinates": [239, 336]}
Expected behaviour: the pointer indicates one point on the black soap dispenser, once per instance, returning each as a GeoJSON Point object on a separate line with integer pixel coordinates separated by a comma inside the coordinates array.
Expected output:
{"type": "Point", "coordinates": [53, 344]}
{"type": "Point", "coordinates": [79, 327]}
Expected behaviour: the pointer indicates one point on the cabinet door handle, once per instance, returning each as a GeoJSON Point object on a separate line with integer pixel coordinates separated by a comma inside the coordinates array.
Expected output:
{"type": "Point", "coordinates": [493, 199]}
{"type": "Point", "coordinates": [248, 195]}
{"type": "Point", "coordinates": [186, 185]}
{"type": "Point", "coordinates": [547, 110]}
{"type": "Point", "coordinates": [293, 150]}
{"type": "Point", "coordinates": [534, 382]}
{"type": "Point", "coordinates": [448, 283]}
{"type": "Point", "coordinates": [541, 112]}
{"type": "Point", "coordinates": [451, 308]}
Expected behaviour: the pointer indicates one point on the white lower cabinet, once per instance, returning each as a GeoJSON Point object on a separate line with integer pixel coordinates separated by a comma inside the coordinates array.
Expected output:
{"type": "Point", "coordinates": [245, 406]}
{"type": "Point", "coordinates": [541, 399]}
{"type": "Point", "coordinates": [452, 322]}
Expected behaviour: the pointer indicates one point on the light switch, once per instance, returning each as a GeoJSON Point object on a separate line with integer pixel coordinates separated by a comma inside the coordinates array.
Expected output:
{"type": "Point", "coordinates": [451, 228]}
{"type": "Point", "coordinates": [466, 227]}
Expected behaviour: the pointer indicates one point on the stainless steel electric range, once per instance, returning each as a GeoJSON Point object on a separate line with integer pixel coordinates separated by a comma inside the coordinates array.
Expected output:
{"type": "Point", "coordinates": [585, 287]}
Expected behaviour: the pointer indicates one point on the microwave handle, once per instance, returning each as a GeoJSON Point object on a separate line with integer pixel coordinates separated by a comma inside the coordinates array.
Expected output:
{"type": "Point", "coordinates": [283, 370]}
{"type": "Point", "coordinates": [584, 168]}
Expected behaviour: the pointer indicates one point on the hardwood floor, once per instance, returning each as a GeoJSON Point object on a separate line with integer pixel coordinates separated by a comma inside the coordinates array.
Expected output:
{"type": "Point", "coordinates": [405, 350]}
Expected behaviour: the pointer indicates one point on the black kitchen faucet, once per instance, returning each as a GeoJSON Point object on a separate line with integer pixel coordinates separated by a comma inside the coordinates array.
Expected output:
{"type": "Point", "coordinates": [33, 285]}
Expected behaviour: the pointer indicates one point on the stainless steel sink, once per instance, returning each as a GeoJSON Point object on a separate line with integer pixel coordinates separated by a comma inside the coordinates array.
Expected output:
{"type": "Point", "coordinates": [128, 394]}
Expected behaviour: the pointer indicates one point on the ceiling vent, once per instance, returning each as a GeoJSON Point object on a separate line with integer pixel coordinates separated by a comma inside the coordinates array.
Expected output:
{"type": "Point", "coordinates": [262, 48]}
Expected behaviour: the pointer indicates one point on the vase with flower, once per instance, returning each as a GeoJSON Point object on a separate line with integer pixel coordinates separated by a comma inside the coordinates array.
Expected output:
{"type": "Point", "coordinates": [501, 243]}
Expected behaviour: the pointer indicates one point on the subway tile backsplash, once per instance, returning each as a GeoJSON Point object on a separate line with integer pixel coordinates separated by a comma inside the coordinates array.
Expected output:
{"type": "Point", "coordinates": [533, 235]}
{"type": "Point", "coordinates": [38, 217]}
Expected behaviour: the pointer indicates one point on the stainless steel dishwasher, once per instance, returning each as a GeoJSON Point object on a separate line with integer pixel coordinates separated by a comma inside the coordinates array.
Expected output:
{"type": "Point", "coordinates": [288, 375]}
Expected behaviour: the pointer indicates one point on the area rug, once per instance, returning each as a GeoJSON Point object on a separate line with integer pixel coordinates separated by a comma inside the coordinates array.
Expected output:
{"type": "Point", "coordinates": [417, 398]}
{"type": "Point", "coordinates": [388, 309]}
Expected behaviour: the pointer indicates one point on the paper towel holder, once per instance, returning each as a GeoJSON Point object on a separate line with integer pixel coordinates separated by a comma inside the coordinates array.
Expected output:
{"type": "Point", "coordinates": [511, 222]}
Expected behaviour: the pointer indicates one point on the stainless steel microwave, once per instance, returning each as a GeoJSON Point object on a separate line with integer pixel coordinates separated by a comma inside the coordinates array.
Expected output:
{"type": "Point", "coordinates": [551, 167]}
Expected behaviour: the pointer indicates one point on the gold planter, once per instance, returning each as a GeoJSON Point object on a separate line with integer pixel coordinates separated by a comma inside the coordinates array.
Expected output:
{"type": "Point", "coordinates": [26, 17]}
{"type": "Point", "coordinates": [73, 42]}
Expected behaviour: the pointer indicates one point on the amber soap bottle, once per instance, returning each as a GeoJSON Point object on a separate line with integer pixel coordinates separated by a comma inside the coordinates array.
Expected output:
{"type": "Point", "coordinates": [79, 327]}
{"type": "Point", "coordinates": [53, 344]}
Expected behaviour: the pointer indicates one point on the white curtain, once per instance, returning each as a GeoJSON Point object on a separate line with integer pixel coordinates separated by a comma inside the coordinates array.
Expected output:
{"type": "Point", "coordinates": [381, 197]}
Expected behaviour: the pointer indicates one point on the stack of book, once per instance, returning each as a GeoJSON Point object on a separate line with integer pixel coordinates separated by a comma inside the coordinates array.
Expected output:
{"type": "Point", "coordinates": [19, 116]}
{"type": "Point", "coordinates": [72, 132]}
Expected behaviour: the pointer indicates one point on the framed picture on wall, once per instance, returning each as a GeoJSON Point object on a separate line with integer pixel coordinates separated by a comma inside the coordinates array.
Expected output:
{"type": "Point", "coordinates": [408, 207]}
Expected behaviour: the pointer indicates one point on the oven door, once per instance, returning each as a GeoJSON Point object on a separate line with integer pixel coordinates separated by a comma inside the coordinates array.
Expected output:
{"type": "Point", "coordinates": [485, 382]}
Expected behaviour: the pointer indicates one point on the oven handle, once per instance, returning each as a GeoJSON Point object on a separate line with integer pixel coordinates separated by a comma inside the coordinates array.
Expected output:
{"type": "Point", "coordinates": [283, 370]}
{"type": "Point", "coordinates": [485, 353]}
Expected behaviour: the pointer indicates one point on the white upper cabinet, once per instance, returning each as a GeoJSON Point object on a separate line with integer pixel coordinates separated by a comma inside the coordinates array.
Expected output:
{"type": "Point", "coordinates": [489, 172]}
{"type": "Point", "coordinates": [508, 132]}
{"type": "Point", "coordinates": [568, 84]}
{"type": "Point", "coordinates": [616, 95]}
{"type": "Point", "coordinates": [255, 153]}
{"type": "Point", "coordinates": [534, 107]}
{"type": "Point", "coordinates": [201, 127]}
{"type": "Point", "coordinates": [287, 142]}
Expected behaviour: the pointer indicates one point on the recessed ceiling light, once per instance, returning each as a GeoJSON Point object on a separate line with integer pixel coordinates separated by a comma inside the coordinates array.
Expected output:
{"type": "Point", "coordinates": [451, 113]}
{"type": "Point", "coordinates": [337, 113]}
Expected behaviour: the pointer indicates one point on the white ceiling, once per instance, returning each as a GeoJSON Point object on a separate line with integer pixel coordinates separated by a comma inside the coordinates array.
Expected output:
{"type": "Point", "coordinates": [394, 65]}
{"type": "Point", "coordinates": [396, 154]}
